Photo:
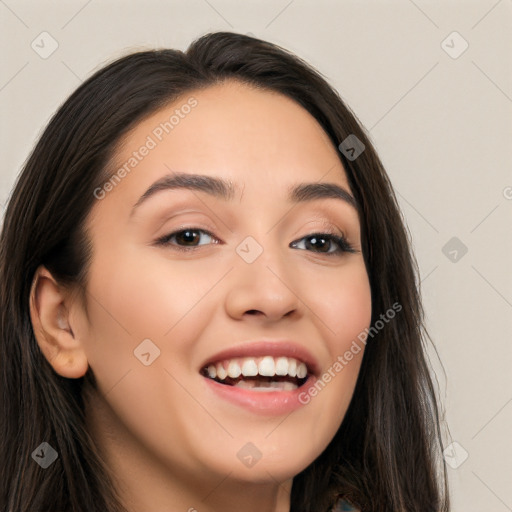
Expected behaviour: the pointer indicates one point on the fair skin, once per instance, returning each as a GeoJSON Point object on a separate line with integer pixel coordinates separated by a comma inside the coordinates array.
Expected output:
{"type": "Point", "coordinates": [169, 437]}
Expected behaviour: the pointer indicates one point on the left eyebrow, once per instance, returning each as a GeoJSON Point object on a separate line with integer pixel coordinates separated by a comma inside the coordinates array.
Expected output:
{"type": "Point", "coordinates": [225, 190]}
{"type": "Point", "coordinates": [311, 191]}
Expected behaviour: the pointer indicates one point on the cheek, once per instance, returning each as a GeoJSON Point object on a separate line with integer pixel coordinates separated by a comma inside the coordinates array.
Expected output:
{"type": "Point", "coordinates": [148, 296]}
{"type": "Point", "coordinates": [133, 299]}
{"type": "Point", "coordinates": [343, 308]}
{"type": "Point", "coordinates": [342, 301]}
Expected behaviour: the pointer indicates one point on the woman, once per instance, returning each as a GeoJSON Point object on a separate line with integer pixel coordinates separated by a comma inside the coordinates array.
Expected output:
{"type": "Point", "coordinates": [276, 366]}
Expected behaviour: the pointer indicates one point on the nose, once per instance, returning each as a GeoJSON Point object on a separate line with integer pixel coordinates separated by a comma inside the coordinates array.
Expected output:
{"type": "Point", "coordinates": [263, 288]}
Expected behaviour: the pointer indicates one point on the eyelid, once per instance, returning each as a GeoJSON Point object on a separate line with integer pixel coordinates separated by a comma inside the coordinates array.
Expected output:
{"type": "Point", "coordinates": [325, 225]}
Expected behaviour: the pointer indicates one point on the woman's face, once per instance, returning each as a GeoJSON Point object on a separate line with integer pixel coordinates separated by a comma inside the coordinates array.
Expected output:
{"type": "Point", "coordinates": [243, 285]}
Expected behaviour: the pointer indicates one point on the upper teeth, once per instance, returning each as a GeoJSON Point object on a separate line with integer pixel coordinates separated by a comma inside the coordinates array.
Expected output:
{"type": "Point", "coordinates": [267, 366]}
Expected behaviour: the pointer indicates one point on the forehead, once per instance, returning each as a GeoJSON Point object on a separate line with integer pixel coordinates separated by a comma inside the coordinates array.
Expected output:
{"type": "Point", "coordinates": [235, 128]}
{"type": "Point", "coordinates": [260, 141]}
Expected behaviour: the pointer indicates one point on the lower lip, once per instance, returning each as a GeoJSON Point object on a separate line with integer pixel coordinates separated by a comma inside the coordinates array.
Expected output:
{"type": "Point", "coordinates": [270, 403]}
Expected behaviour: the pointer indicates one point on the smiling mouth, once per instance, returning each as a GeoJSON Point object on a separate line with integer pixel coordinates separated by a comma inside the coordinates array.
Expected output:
{"type": "Point", "coordinates": [259, 373]}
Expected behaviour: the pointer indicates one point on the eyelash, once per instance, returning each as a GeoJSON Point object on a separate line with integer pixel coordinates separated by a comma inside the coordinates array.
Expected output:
{"type": "Point", "coordinates": [343, 245]}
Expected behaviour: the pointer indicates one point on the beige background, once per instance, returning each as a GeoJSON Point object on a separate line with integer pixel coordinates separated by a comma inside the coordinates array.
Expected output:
{"type": "Point", "coordinates": [442, 125]}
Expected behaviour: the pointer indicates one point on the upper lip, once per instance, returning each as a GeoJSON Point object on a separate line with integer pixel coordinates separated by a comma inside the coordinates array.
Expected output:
{"type": "Point", "coordinates": [274, 348]}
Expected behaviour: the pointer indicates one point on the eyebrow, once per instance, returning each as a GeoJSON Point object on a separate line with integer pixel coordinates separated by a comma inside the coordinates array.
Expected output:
{"type": "Point", "coordinates": [225, 190]}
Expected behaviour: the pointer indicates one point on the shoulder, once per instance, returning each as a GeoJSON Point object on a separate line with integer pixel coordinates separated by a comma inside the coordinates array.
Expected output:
{"type": "Point", "coordinates": [343, 506]}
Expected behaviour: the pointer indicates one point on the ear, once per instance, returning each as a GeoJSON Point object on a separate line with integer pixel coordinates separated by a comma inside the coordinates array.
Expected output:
{"type": "Point", "coordinates": [49, 313]}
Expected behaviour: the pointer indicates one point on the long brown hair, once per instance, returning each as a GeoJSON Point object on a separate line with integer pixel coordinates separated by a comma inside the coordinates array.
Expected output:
{"type": "Point", "coordinates": [385, 456]}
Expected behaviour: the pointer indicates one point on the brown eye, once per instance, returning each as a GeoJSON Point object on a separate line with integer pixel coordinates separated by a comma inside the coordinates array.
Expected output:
{"type": "Point", "coordinates": [320, 242]}
{"type": "Point", "coordinates": [185, 239]}
{"type": "Point", "coordinates": [323, 243]}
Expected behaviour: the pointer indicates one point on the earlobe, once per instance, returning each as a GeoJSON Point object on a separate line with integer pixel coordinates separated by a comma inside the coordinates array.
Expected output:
{"type": "Point", "coordinates": [50, 315]}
